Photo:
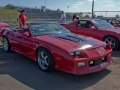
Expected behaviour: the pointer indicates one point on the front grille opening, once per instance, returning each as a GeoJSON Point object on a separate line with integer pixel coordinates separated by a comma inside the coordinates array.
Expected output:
{"type": "Point", "coordinates": [94, 63]}
{"type": "Point", "coordinates": [104, 59]}
{"type": "Point", "coordinates": [97, 61]}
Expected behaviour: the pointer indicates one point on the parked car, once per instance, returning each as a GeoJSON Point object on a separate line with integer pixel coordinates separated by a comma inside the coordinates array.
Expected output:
{"type": "Point", "coordinates": [54, 47]}
{"type": "Point", "coordinates": [98, 29]}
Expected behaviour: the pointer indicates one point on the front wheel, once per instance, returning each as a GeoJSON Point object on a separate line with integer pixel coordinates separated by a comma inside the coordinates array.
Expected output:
{"type": "Point", "coordinates": [113, 42]}
{"type": "Point", "coordinates": [6, 45]}
{"type": "Point", "coordinates": [45, 60]}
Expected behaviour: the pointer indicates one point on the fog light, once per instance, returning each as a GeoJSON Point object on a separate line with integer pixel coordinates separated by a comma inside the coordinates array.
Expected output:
{"type": "Point", "coordinates": [91, 62]}
{"type": "Point", "coordinates": [81, 64]}
{"type": "Point", "coordinates": [103, 59]}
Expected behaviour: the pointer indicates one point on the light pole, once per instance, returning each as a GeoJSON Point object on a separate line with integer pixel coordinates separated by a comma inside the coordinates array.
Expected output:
{"type": "Point", "coordinates": [93, 9]}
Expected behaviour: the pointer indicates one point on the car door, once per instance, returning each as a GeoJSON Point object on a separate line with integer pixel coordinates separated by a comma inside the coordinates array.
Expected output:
{"type": "Point", "coordinates": [16, 40]}
{"type": "Point", "coordinates": [86, 28]}
{"type": "Point", "coordinates": [29, 44]}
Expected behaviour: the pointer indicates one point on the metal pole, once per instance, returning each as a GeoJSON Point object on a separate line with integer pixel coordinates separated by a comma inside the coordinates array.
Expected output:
{"type": "Point", "coordinates": [93, 9]}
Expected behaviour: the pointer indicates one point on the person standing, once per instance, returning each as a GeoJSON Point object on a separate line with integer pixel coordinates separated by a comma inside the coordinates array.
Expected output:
{"type": "Point", "coordinates": [74, 17]}
{"type": "Point", "coordinates": [22, 18]}
{"type": "Point", "coordinates": [62, 18]}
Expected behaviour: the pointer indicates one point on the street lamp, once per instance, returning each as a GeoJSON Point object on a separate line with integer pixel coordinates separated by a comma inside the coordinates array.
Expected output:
{"type": "Point", "coordinates": [93, 9]}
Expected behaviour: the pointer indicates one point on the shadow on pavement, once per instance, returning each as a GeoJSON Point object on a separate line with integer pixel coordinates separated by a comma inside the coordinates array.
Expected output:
{"type": "Point", "coordinates": [116, 54]}
{"type": "Point", "coordinates": [28, 73]}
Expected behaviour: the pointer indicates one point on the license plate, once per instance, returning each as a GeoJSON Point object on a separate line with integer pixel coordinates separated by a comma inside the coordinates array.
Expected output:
{"type": "Point", "coordinates": [103, 65]}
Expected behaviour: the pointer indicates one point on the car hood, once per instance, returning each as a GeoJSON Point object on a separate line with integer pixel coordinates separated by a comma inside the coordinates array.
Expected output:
{"type": "Point", "coordinates": [71, 41]}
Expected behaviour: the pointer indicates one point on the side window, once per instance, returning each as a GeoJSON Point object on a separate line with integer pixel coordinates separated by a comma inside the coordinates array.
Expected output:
{"type": "Point", "coordinates": [81, 23]}
{"type": "Point", "coordinates": [84, 24]}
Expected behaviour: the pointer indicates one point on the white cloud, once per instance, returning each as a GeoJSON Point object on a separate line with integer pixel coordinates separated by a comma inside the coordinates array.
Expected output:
{"type": "Point", "coordinates": [110, 5]}
{"type": "Point", "coordinates": [100, 2]}
{"type": "Point", "coordinates": [79, 2]}
{"type": "Point", "coordinates": [109, 1]}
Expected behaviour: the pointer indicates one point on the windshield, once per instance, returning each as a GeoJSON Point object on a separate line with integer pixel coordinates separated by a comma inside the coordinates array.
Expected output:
{"type": "Point", "coordinates": [47, 29]}
{"type": "Point", "coordinates": [102, 24]}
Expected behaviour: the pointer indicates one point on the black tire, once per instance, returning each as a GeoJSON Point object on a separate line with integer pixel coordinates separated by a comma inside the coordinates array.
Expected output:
{"type": "Point", "coordinates": [6, 45]}
{"type": "Point", "coordinates": [116, 44]}
{"type": "Point", "coordinates": [50, 66]}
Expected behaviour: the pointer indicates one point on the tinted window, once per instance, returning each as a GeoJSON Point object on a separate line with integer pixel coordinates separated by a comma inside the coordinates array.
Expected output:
{"type": "Point", "coordinates": [84, 24]}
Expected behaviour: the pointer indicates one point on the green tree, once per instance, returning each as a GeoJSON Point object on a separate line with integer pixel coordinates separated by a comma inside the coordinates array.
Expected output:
{"type": "Point", "coordinates": [9, 6]}
{"type": "Point", "coordinates": [117, 16]}
{"type": "Point", "coordinates": [87, 16]}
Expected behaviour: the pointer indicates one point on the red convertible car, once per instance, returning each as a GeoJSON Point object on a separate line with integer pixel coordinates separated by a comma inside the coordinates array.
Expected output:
{"type": "Point", "coordinates": [98, 29]}
{"type": "Point", "coordinates": [54, 47]}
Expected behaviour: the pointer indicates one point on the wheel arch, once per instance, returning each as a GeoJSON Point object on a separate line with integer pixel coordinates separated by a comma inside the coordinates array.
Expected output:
{"type": "Point", "coordinates": [49, 50]}
{"type": "Point", "coordinates": [117, 43]}
{"type": "Point", "coordinates": [6, 38]}
{"type": "Point", "coordinates": [110, 36]}
{"type": "Point", "coordinates": [43, 48]}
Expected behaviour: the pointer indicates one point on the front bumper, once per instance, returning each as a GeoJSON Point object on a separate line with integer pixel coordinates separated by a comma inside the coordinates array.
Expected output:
{"type": "Point", "coordinates": [82, 65]}
{"type": "Point", "coordinates": [79, 70]}
{"type": "Point", "coordinates": [71, 65]}
{"type": "Point", "coordinates": [102, 66]}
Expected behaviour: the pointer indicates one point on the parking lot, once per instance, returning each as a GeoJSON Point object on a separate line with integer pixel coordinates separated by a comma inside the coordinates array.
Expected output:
{"type": "Point", "coordinates": [20, 73]}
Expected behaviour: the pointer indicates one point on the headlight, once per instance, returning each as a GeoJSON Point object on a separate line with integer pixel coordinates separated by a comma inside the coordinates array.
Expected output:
{"type": "Point", "coordinates": [75, 54]}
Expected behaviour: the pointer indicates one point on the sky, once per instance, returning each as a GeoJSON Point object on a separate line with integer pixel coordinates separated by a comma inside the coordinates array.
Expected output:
{"type": "Point", "coordinates": [74, 5]}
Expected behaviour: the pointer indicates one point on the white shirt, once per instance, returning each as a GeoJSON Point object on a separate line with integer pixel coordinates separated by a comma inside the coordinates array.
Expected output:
{"type": "Point", "coordinates": [62, 19]}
